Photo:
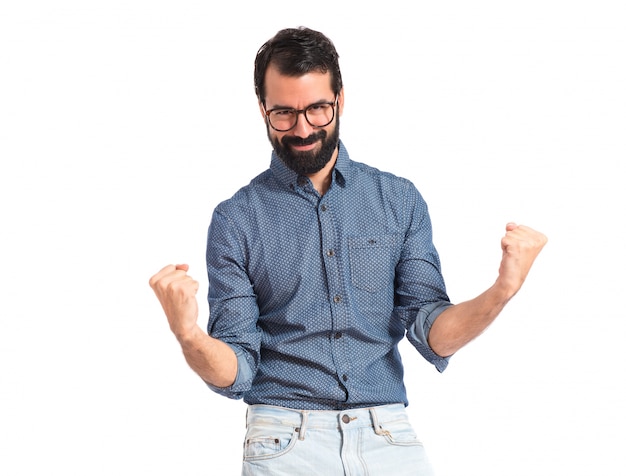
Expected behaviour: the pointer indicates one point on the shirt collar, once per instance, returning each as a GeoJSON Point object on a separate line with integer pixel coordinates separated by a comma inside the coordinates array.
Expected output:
{"type": "Point", "coordinates": [289, 178]}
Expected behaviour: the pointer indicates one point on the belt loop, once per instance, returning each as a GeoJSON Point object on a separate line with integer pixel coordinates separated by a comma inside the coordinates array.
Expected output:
{"type": "Point", "coordinates": [305, 418]}
{"type": "Point", "coordinates": [377, 428]}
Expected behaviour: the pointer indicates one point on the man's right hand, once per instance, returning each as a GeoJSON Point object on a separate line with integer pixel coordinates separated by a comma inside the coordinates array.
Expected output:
{"type": "Point", "coordinates": [176, 291]}
{"type": "Point", "coordinates": [210, 358]}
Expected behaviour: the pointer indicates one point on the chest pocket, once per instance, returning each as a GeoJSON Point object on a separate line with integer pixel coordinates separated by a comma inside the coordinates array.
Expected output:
{"type": "Point", "coordinates": [373, 261]}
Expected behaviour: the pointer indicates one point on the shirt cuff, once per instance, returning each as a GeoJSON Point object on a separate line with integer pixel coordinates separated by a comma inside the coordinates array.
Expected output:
{"type": "Point", "coordinates": [243, 379]}
{"type": "Point", "coordinates": [417, 334]}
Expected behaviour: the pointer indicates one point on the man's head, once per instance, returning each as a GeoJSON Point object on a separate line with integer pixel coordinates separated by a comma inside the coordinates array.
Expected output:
{"type": "Point", "coordinates": [300, 91]}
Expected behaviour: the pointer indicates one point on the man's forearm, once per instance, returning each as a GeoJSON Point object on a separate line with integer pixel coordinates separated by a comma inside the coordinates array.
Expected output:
{"type": "Point", "coordinates": [461, 323]}
{"type": "Point", "coordinates": [213, 360]}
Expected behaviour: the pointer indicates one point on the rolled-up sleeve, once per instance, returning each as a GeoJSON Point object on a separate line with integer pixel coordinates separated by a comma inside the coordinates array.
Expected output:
{"type": "Point", "coordinates": [245, 374]}
{"type": "Point", "coordinates": [417, 333]}
{"type": "Point", "coordinates": [420, 289]}
{"type": "Point", "coordinates": [232, 302]}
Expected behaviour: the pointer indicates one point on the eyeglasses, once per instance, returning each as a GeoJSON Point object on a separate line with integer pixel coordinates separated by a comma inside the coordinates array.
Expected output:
{"type": "Point", "coordinates": [284, 119]}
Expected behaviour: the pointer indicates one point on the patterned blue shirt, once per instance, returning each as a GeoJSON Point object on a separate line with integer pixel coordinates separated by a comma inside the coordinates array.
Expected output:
{"type": "Point", "coordinates": [313, 293]}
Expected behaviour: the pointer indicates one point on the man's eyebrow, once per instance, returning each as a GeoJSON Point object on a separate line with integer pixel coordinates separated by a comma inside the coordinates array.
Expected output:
{"type": "Point", "coordinates": [280, 106]}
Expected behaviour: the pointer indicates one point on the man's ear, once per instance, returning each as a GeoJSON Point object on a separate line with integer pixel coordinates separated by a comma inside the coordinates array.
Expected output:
{"type": "Point", "coordinates": [340, 98]}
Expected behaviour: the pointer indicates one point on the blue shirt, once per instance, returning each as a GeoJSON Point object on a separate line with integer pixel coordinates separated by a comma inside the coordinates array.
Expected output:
{"type": "Point", "coordinates": [313, 293]}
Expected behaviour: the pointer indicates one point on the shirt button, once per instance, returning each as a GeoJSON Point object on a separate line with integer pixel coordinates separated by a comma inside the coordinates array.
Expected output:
{"type": "Point", "coordinates": [345, 419]}
{"type": "Point", "coordinates": [337, 298]}
{"type": "Point", "coordinates": [344, 377]}
{"type": "Point", "coordinates": [330, 252]}
{"type": "Point", "coordinates": [324, 207]}
{"type": "Point", "coordinates": [338, 335]}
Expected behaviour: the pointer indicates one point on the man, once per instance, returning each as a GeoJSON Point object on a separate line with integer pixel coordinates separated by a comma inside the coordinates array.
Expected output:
{"type": "Point", "coordinates": [317, 269]}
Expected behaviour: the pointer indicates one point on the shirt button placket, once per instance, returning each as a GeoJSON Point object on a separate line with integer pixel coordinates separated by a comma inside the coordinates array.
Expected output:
{"type": "Point", "coordinates": [334, 280]}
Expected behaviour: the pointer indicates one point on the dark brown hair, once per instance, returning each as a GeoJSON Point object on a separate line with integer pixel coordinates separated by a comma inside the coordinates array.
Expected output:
{"type": "Point", "coordinates": [295, 52]}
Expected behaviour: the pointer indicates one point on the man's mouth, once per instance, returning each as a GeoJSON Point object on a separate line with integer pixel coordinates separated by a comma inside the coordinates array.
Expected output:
{"type": "Point", "coordinates": [303, 146]}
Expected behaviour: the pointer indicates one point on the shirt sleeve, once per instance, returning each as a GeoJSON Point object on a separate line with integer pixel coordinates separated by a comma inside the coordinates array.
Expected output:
{"type": "Point", "coordinates": [243, 380]}
{"type": "Point", "coordinates": [420, 288]}
{"type": "Point", "coordinates": [232, 302]}
{"type": "Point", "coordinates": [417, 333]}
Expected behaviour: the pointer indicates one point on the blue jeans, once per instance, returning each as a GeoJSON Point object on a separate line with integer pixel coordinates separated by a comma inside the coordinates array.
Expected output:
{"type": "Point", "coordinates": [377, 441]}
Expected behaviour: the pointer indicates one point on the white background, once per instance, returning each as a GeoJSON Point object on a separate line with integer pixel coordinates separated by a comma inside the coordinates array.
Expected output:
{"type": "Point", "coordinates": [123, 123]}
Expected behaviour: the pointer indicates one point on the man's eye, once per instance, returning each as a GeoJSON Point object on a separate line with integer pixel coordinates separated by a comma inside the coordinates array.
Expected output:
{"type": "Point", "coordinates": [318, 109]}
{"type": "Point", "coordinates": [283, 112]}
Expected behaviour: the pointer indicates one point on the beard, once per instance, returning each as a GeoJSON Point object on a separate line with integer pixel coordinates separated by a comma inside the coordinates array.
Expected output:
{"type": "Point", "coordinates": [306, 162]}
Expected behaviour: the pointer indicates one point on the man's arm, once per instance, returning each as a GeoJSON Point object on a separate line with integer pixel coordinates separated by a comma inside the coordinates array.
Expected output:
{"type": "Point", "coordinates": [461, 323]}
{"type": "Point", "coordinates": [213, 360]}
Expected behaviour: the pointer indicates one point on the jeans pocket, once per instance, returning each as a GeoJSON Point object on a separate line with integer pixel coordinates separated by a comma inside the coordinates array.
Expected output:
{"type": "Point", "coordinates": [400, 433]}
{"type": "Point", "coordinates": [268, 442]}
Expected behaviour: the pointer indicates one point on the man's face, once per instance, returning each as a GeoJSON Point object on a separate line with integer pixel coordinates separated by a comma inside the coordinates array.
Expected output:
{"type": "Point", "coordinates": [305, 149]}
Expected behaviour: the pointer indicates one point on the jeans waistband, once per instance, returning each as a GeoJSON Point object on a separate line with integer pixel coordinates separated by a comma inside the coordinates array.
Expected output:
{"type": "Point", "coordinates": [302, 420]}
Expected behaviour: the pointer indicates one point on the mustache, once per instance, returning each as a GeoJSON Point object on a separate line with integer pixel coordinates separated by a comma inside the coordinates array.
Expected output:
{"type": "Point", "coordinates": [294, 140]}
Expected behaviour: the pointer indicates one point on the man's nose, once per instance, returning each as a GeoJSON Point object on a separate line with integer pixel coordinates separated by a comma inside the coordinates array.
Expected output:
{"type": "Point", "coordinates": [302, 128]}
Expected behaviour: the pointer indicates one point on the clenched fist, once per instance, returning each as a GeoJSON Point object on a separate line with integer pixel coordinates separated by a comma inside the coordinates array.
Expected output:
{"type": "Point", "coordinates": [176, 291]}
{"type": "Point", "coordinates": [520, 247]}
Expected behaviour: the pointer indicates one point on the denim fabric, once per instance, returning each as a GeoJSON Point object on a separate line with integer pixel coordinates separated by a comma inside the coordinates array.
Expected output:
{"type": "Point", "coordinates": [378, 441]}
{"type": "Point", "coordinates": [313, 293]}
